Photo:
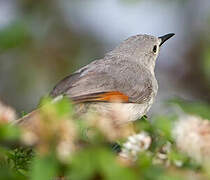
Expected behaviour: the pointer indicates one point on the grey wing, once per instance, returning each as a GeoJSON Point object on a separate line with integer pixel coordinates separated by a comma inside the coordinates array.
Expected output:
{"type": "Point", "coordinates": [104, 76]}
{"type": "Point", "coordinates": [65, 84]}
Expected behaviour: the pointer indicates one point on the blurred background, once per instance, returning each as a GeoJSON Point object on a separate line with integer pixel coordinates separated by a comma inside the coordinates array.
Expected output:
{"type": "Point", "coordinates": [43, 41]}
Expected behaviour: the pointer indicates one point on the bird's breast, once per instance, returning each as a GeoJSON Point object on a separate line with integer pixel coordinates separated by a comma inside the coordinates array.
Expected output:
{"type": "Point", "coordinates": [124, 111]}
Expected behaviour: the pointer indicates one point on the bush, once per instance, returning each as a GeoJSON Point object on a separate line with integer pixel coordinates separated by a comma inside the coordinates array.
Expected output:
{"type": "Point", "coordinates": [62, 146]}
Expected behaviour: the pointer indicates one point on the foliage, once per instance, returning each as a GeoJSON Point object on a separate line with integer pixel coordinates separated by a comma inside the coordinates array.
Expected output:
{"type": "Point", "coordinates": [90, 153]}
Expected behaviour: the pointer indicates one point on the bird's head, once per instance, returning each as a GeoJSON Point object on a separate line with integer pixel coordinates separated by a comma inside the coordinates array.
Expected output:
{"type": "Point", "coordinates": [141, 48]}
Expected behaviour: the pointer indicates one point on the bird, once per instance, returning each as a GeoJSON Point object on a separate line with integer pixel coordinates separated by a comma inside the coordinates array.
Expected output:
{"type": "Point", "coordinates": [125, 75]}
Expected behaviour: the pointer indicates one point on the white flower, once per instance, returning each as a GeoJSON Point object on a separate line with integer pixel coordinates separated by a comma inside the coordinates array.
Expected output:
{"type": "Point", "coordinates": [7, 114]}
{"type": "Point", "coordinates": [29, 138]}
{"type": "Point", "coordinates": [178, 163]}
{"type": "Point", "coordinates": [162, 156]}
{"type": "Point", "coordinates": [135, 144]}
{"type": "Point", "coordinates": [64, 150]}
{"type": "Point", "coordinates": [192, 136]}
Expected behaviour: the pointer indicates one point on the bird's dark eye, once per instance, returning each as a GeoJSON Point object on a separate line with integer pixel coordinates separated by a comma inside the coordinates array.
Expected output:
{"type": "Point", "coordinates": [155, 49]}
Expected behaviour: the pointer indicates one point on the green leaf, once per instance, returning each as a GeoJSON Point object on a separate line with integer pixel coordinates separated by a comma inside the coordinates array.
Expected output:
{"type": "Point", "coordinates": [63, 107]}
{"type": "Point", "coordinates": [175, 156]}
{"type": "Point", "coordinates": [98, 162]}
{"type": "Point", "coordinates": [44, 168]}
{"type": "Point", "coordinates": [197, 108]}
{"type": "Point", "coordinates": [21, 158]}
{"type": "Point", "coordinates": [206, 62]}
{"type": "Point", "coordinates": [14, 35]}
{"type": "Point", "coordinates": [9, 132]}
{"type": "Point", "coordinates": [153, 172]}
{"type": "Point", "coordinates": [8, 174]}
{"type": "Point", "coordinates": [143, 124]}
{"type": "Point", "coordinates": [83, 165]}
{"type": "Point", "coordinates": [164, 125]}
{"type": "Point", "coordinates": [144, 160]}
{"type": "Point", "coordinates": [111, 170]}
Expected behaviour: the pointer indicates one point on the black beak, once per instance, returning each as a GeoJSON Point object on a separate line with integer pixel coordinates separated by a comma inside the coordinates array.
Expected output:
{"type": "Point", "coordinates": [166, 37]}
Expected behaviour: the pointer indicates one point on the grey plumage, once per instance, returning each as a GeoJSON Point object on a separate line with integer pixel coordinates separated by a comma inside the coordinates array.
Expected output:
{"type": "Point", "coordinates": [128, 69]}
{"type": "Point", "coordinates": [107, 76]}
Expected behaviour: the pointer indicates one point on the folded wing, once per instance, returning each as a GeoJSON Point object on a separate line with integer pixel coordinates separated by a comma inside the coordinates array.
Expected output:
{"type": "Point", "coordinates": [107, 81]}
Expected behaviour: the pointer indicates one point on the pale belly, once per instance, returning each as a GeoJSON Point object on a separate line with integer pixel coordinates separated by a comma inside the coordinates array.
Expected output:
{"type": "Point", "coordinates": [128, 111]}
{"type": "Point", "coordinates": [134, 111]}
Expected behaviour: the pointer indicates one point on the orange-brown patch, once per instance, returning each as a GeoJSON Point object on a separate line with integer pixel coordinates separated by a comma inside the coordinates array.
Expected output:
{"type": "Point", "coordinates": [114, 96]}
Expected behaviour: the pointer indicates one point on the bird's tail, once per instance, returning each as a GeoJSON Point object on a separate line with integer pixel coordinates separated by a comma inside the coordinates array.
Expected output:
{"type": "Point", "coordinates": [28, 120]}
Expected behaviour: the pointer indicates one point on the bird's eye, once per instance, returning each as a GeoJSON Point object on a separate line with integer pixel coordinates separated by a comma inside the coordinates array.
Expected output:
{"type": "Point", "coordinates": [155, 49]}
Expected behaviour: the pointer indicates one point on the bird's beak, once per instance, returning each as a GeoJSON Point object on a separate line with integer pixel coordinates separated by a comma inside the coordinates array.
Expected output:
{"type": "Point", "coordinates": [165, 38]}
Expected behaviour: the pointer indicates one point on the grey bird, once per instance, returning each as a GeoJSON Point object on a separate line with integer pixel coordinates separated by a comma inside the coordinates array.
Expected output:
{"type": "Point", "coordinates": [125, 74]}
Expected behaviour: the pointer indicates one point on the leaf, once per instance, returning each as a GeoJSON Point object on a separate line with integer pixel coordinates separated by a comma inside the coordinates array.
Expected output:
{"type": "Point", "coordinates": [144, 160]}
{"type": "Point", "coordinates": [197, 108]}
{"type": "Point", "coordinates": [164, 125]}
{"type": "Point", "coordinates": [44, 168]}
{"type": "Point", "coordinates": [9, 132]}
{"type": "Point", "coordinates": [62, 107]}
{"type": "Point", "coordinates": [112, 170]}
{"type": "Point", "coordinates": [206, 62]}
{"type": "Point", "coordinates": [98, 162]}
{"type": "Point", "coordinates": [21, 158]}
{"type": "Point", "coordinates": [83, 165]}
{"type": "Point", "coordinates": [8, 174]}
{"type": "Point", "coordinates": [13, 36]}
